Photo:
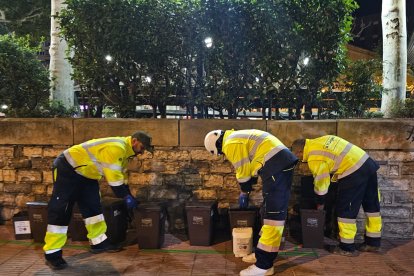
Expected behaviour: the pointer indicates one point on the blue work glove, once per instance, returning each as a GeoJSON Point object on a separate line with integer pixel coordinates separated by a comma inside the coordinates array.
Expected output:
{"type": "Point", "coordinates": [243, 200]}
{"type": "Point", "coordinates": [130, 202]}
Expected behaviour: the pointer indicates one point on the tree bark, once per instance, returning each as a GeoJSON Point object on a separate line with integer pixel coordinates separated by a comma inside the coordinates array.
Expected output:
{"type": "Point", "coordinates": [394, 32]}
{"type": "Point", "coordinates": [62, 85]}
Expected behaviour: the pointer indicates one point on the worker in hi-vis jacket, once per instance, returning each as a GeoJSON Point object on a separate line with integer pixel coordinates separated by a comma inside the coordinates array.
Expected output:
{"type": "Point", "coordinates": [76, 173]}
{"type": "Point", "coordinates": [333, 159]}
{"type": "Point", "coordinates": [256, 153]}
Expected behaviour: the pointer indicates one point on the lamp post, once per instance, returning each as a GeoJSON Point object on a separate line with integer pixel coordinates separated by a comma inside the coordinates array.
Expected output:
{"type": "Point", "coordinates": [201, 72]}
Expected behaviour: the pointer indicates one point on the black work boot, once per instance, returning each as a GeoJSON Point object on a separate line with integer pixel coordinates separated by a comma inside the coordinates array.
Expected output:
{"type": "Point", "coordinates": [363, 247]}
{"type": "Point", "coordinates": [105, 246]}
{"type": "Point", "coordinates": [339, 251]}
{"type": "Point", "coordinates": [55, 260]}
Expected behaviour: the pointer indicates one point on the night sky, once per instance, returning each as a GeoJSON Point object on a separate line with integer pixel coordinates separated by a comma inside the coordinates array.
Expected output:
{"type": "Point", "coordinates": [367, 7]}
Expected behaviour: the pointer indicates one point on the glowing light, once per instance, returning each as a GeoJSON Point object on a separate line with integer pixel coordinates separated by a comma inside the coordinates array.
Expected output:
{"type": "Point", "coordinates": [208, 41]}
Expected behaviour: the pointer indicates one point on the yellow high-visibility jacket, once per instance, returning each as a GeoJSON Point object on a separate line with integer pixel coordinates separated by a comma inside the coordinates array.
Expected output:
{"type": "Point", "coordinates": [328, 155]}
{"type": "Point", "coordinates": [248, 150]}
{"type": "Point", "coordinates": [106, 157]}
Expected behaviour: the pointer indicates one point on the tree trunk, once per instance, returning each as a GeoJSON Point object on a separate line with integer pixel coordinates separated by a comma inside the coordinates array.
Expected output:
{"type": "Point", "coordinates": [394, 34]}
{"type": "Point", "coordinates": [62, 85]}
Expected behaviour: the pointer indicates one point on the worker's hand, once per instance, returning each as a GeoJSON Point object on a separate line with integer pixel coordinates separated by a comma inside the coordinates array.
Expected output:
{"type": "Point", "coordinates": [130, 202]}
{"type": "Point", "coordinates": [243, 200]}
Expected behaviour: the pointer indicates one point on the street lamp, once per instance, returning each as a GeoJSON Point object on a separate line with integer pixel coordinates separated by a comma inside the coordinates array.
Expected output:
{"type": "Point", "coordinates": [208, 41]}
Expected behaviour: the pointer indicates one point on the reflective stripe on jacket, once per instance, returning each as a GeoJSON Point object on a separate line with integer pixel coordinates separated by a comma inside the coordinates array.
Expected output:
{"type": "Point", "coordinates": [248, 150]}
{"type": "Point", "coordinates": [328, 155]}
{"type": "Point", "coordinates": [102, 157]}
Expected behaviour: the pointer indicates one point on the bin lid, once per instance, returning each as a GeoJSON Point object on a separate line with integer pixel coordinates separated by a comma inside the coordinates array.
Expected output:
{"type": "Point", "coordinates": [156, 206]}
{"type": "Point", "coordinates": [201, 204]}
{"type": "Point", "coordinates": [36, 203]}
{"type": "Point", "coordinates": [310, 212]}
{"type": "Point", "coordinates": [236, 208]}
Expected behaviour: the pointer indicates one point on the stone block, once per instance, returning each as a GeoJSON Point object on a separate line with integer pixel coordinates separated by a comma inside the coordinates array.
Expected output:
{"type": "Point", "coordinates": [54, 151]}
{"type": "Point", "coordinates": [221, 167]}
{"type": "Point", "coordinates": [205, 194]}
{"type": "Point", "coordinates": [402, 156]}
{"type": "Point", "coordinates": [144, 179]}
{"type": "Point", "coordinates": [403, 197]}
{"type": "Point", "coordinates": [192, 132]}
{"type": "Point", "coordinates": [204, 155]}
{"type": "Point", "coordinates": [393, 184]}
{"type": "Point", "coordinates": [192, 180]}
{"type": "Point", "coordinates": [213, 181]}
{"type": "Point", "coordinates": [157, 193]}
{"type": "Point", "coordinates": [19, 163]}
{"type": "Point", "coordinates": [172, 155]}
{"type": "Point", "coordinates": [25, 188]}
{"type": "Point", "coordinates": [39, 189]}
{"type": "Point", "coordinates": [398, 230]}
{"type": "Point", "coordinates": [164, 132]}
{"type": "Point", "coordinates": [173, 180]}
{"type": "Point", "coordinates": [7, 151]}
{"type": "Point", "coordinates": [394, 170]}
{"type": "Point", "coordinates": [32, 151]}
{"type": "Point", "coordinates": [36, 131]}
{"type": "Point", "coordinates": [42, 163]}
{"type": "Point", "coordinates": [383, 170]}
{"type": "Point", "coordinates": [387, 197]}
{"type": "Point", "coordinates": [377, 133]}
{"type": "Point", "coordinates": [155, 166]}
{"type": "Point", "coordinates": [22, 199]}
{"type": "Point", "coordinates": [289, 131]}
{"type": "Point", "coordinates": [9, 175]}
{"type": "Point", "coordinates": [230, 181]}
{"type": "Point", "coordinates": [29, 176]}
{"type": "Point", "coordinates": [184, 196]}
{"type": "Point", "coordinates": [378, 155]}
{"type": "Point", "coordinates": [49, 190]}
{"type": "Point", "coordinates": [228, 195]}
{"type": "Point", "coordinates": [407, 168]}
{"type": "Point", "coordinates": [190, 168]}
{"type": "Point", "coordinates": [47, 177]}
{"type": "Point", "coordinates": [396, 212]}
{"type": "Point", "coordinates": [8, 199]}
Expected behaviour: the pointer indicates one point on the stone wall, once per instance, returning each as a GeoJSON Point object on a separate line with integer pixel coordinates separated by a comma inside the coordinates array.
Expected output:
{"type": "Point", "coordinates": [181, 169]}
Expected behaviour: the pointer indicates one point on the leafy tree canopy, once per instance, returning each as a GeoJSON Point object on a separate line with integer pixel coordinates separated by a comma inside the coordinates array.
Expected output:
{"type": "Point", "coordinates": [24, 82]}
{"type": "Point", "coordinates": [25, 17]}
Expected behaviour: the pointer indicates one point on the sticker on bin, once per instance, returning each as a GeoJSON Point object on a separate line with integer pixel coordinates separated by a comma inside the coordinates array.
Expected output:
{"type": "Point", "coordinates": [22, 227]}
{"type": "Point", "coordinates": [242, 223]}
{"type": "Point", "coordinates": [37, 218]}
{"type": "Point", "coordinates": [312, 222]}
{"type": "Point", "coordinates": [198, 220]}
{"type": "Point", "coordinates": [146, 222]}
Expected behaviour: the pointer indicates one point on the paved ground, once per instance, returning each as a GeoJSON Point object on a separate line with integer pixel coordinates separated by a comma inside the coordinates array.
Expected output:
{"type": "Point", "coordinates": [177, 257]}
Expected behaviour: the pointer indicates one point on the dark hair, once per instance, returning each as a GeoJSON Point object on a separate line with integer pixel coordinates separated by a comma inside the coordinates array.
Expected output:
{"type": "Point", "coordinates": [219, 143]}
{"type": "Point", "coordinates": [298, 144]}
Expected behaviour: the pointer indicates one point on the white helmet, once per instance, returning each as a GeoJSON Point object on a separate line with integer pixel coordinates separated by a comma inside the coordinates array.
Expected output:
{"type": "Point", "coordinates": [211, 139]}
